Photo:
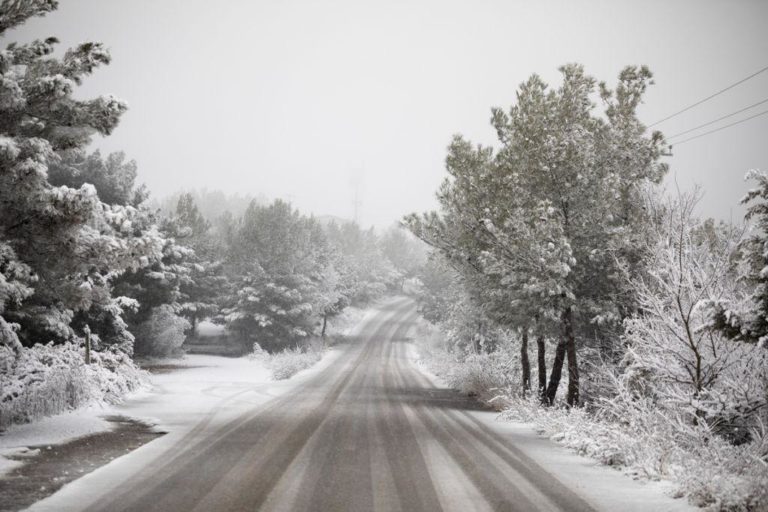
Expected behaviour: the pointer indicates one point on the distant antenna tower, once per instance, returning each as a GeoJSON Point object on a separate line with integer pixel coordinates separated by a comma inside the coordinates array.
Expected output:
{"type": "Point", "coordinates": [356, 181]}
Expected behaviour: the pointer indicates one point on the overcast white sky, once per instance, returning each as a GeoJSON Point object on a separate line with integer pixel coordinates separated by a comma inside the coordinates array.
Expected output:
{"type": "Point", "coordinates": [296, 99]}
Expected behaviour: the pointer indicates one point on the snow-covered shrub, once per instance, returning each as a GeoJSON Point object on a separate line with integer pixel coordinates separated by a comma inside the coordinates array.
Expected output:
{"type": "Point", "coordinates": [50, 379]}
{"type": "Point", "coordinates": [287, 363]}
{"type": "Point", "coordinates": [706, 468]}
{"type": "Point", "coordinates": [675, 358]}
{"type": "Point", "coordinates": [485, 374]}
{"type": "Point", "coordinates": [291, 361]}
{"type": "Point", "coordinates": [162, 334]}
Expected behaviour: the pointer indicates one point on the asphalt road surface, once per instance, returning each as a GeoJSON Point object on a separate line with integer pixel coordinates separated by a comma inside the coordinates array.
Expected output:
{"type": "Point", "coordinates": [368, 433]}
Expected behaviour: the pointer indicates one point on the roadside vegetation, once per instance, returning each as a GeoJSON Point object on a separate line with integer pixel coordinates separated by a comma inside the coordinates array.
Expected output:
{"type": "Point", "coordinates": [567, 288]}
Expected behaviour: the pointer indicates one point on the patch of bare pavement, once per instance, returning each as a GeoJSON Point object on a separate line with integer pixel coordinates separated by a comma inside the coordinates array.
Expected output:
{"type": "Point", "coordinates": [47, 468]}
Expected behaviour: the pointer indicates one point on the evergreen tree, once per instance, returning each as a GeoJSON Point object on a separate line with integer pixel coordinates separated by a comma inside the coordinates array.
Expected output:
{"type": "Point", "coordinates": [201, 291]}
{"type": "Point", "coordinates": [747, 320]}
{"type": "Point", "coordinates": [276, 261]}
{"type": "Point", "coordinates": [540, 225]}
{"type": "Point", "coordinates": [72, 242]}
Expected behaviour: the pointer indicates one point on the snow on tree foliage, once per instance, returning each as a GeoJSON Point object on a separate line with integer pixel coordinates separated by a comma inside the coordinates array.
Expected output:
{"type": "Point", "coordinates": [72, 242]}
{"type": "Point", "coordinates": [539, 228]}
{"type": "Point", "coordinates": [676, 356]}
{"type": "Point", "coordinates": [277, 258]}
{"type": "Point", "coordinates": [746, 320]}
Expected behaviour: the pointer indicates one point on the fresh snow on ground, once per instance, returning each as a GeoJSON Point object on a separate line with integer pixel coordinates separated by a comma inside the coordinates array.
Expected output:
{"type": "Point", "coordinates": [603, 487]}
{"type": "Point", "coordinates": [56, 429]}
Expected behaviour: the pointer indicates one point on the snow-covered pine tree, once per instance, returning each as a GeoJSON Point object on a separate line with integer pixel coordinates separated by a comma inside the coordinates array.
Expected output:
{"type": "Point", "coordinates": [275, 263]}
{"type": "Point", "coordinates": [156, 287]}
{"type": "Point", "coordinates": [71, 241]}
{"type": "Point", "coordinates": [201, 291]}
{"type": "Point", "coordinates": [549, 216]}
{"type": "Point", "coordinates": [114, 177]}
{"type": "Point", "coordinates": [16, 281]}
{"type": "Point", "coordinates": [746, 320]}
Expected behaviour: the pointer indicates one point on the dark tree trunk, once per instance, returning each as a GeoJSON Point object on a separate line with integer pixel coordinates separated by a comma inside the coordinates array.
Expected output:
{"type": "Point", "coordinates": [573, 365]}
{"type": "Point", "coordinates": [325, 324]}
{"type": "Point", "coordinates": [525, 363]}
{"type": "Point", "coordinates": [87, 345]}
{"type": "Point", "coordinates": [557, 372]}
{"type": "Point", "coordinates": [542, 363]}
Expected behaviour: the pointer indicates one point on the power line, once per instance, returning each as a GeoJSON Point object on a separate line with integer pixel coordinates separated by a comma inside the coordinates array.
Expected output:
{"type": "Point", "coordinates": [718, 119]}
{"type": "Point", "coordinates": [689, 107]}
{"type": "Point", "coordinates": [721, 128]}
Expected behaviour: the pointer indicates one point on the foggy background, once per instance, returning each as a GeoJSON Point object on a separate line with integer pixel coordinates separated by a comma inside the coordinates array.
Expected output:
{"type": "Point", "coordinates": [314, 101]}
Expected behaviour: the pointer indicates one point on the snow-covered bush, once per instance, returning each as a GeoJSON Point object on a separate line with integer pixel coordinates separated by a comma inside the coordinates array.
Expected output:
{"type": "Point", "coordinates": [45, 379]}
{"type": "Point", "coordinates": [287, 363]}
{"type": "Point", "coordinates": [485, 374]}
{"type": "Point", "coordinates": [706, 468]}
{"type": "Point", "coordinates": [162, 334]}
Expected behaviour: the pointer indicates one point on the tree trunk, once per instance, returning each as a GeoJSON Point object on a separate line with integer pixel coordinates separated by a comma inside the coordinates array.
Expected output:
{"type": "Point", "coordinates": [325, 324]}
{"type": "Point", "coordinates": [573, 365]}
{"type": "Point", "coordinates": [541, 352]}
{"type": "Point", "coordinates": [557, 372]}
{"type": "Point", "coordinates": [525, 363]}
{"type": "Point", "coordinates": [87, 345]}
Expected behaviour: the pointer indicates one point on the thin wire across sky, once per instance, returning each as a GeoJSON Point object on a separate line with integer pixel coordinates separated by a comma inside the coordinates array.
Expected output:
{"type": "Point", "coordinates": [721, 118]}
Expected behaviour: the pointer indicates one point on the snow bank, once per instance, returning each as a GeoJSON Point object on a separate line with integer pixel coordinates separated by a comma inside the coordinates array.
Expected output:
{"type": "Point", "coordinates": [705, 468]}
{"type": "Point", "coordinates": [603, 488]}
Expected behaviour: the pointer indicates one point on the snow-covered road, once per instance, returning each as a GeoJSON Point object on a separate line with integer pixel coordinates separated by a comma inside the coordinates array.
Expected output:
{"type": "Point", "coordinates": [366, 430]}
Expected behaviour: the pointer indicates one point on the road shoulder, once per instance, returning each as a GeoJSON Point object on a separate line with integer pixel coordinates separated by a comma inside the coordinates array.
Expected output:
{"type": "Point", "coordinates": [605, 488]}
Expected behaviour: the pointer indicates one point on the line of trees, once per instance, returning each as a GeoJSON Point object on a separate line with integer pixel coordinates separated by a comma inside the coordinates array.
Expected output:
{"type": "Point", "coordinates": [561, 235]}
{"type": "Point", "coordinates": [82, 251]}
{"type": "Point", "coordinates": [541, 229]}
